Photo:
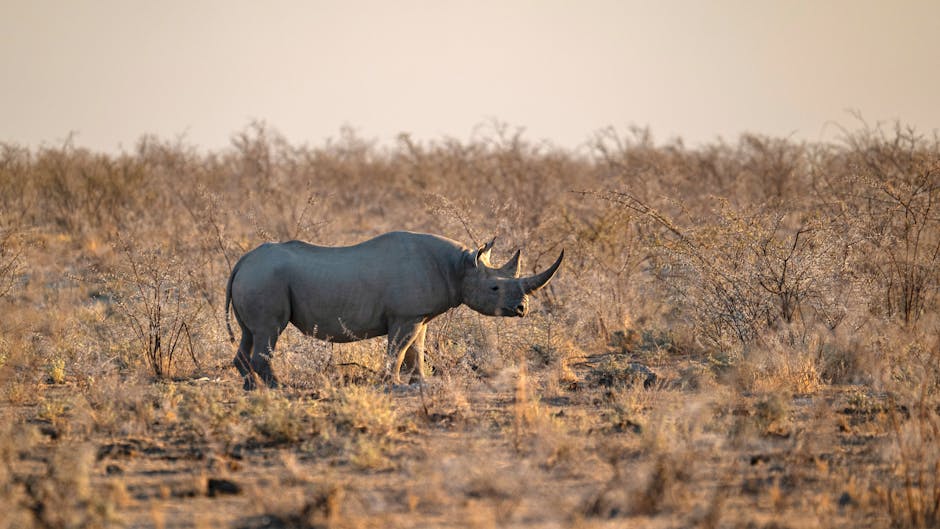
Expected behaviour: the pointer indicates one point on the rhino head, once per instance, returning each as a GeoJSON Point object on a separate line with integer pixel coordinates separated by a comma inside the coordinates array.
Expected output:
{"type": "Point", "coordinates": [500, 291]}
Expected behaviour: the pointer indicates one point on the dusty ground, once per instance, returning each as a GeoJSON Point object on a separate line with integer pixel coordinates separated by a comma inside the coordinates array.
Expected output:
{"type": "Point", "coordinates": [503, 451]}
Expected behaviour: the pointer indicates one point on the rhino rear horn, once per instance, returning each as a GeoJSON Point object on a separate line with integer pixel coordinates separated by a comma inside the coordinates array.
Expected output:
{"type": "Point", "coordinates": [532, 283]}
{"type": "Point", "coordinates": [511, 268]}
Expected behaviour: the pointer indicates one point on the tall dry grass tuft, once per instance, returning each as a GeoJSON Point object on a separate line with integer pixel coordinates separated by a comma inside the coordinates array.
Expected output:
{"type": "Point", "coordinates": [365, 410]}
{"type": "Point", "coordinates": [524, 409]}
{"type": "Point", "coordinates": [64, 496]}
{"type": "Point", "coordinates": [15, 438]}
{"type": "Point", "coordinates": [914, 457]}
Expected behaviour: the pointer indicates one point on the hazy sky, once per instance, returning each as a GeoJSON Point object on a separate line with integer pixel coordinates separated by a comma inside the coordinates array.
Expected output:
{"type": "Point", "coordinates": [113, 70]}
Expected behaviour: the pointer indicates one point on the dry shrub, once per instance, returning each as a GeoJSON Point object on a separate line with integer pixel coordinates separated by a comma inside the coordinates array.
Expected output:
{"type": "Point", "coordinates": [16, 170]}
{"type": "Point", "coordinates": [160, 304]}
{"type": "Point", "coordinates": [82, 192]}
{"type": "Point", "coordinates": [12, 248]}
{"type": "Point", "coordinates": [741, 273]}
{"type": "Point", "coordinates": [882, 187]}
{"type": "Point", "coordinates": [605, 259]}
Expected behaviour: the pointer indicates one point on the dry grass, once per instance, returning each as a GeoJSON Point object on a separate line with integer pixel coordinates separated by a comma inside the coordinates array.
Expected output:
{"type": "Point", "coordinates": [742, 335]}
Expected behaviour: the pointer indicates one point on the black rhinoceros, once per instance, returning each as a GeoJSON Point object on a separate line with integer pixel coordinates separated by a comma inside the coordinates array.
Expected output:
{"type": "Point", "coordinates": [393, 284]}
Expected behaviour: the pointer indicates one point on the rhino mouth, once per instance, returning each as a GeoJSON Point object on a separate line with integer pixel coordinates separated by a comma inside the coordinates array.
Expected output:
{"type": "Point", "coordinates": [517, 312]}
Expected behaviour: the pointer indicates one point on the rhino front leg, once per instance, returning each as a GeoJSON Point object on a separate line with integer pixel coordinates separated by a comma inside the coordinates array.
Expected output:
{"type": "Point", "coordinates": [401, 335]}
{"type": "Point", "coordinates": [414, 356]}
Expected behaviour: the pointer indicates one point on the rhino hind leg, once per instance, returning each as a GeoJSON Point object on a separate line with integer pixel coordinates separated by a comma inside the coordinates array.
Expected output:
{"type": "Point", "coordinates": [243, 355]}
{"type": "Point", "coordinates": [263, 345]}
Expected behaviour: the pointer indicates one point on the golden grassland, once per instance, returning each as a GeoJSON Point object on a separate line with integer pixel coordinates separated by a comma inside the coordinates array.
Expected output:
{"type": "Point", "coordinates": [742, 335]}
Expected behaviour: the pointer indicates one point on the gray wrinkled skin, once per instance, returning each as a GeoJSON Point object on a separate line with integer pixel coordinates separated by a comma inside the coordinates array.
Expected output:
{"type": "Point", "coordinates": [391, 285]}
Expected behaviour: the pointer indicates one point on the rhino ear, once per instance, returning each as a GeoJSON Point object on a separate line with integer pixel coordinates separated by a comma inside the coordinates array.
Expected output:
{"type": "Point", "coordinates": [511, 268]}
{"type": "Point", "coordinates": [482, 255]}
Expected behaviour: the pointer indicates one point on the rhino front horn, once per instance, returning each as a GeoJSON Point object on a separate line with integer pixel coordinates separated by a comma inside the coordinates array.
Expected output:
{"type": "Point", "coordinates": [532, 283]}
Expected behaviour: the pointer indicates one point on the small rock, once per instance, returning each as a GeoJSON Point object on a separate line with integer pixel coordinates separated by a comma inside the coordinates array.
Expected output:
{"type": "Point", "coordinates": [649, 378]}
{"type": "Point", "coordinates": [614, 374]}
{"type": "Point", "coordinates": [845, 499]}
{"type": "Point", "coordinates": [49, 431]}
{"type": "Point", "coordinates": [218, 487]}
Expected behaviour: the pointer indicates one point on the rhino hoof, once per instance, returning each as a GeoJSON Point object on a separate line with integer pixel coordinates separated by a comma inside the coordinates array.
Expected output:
{"type": "Point", "coordinates": [253, 381]}
{"type": "Point", "coordinates": [402, 388]}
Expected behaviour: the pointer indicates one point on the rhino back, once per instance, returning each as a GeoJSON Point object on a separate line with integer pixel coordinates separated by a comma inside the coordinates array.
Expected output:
{"type": "Point", "coordinates": [349, 293]}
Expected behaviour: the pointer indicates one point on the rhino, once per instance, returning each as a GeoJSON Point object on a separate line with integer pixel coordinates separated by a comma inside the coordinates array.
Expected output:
{"type": "Point", "coordinates": [391, 285]}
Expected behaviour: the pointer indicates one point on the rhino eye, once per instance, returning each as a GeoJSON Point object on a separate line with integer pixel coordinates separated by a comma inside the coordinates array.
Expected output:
{"type": "Point", "coordinates": [494, 288]}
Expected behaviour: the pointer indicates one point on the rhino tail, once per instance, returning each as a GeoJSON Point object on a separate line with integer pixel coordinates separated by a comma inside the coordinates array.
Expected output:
{"type": "Point", "coordinates": [228, 302]}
